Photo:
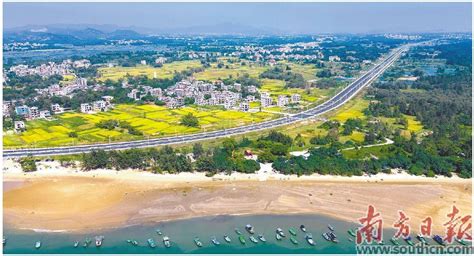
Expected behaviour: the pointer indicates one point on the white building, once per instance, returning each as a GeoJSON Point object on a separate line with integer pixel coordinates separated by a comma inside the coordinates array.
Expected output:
{"type": "Point", "coordinates": [266, 101]}
{"type": "Point", "coordinates": [86, 108]}
{"type": "Point", "coordinates": [295, 98]}
{"type": "Point", "coordinates": [34, 113]}
{"type": "Point", "coordinates": [44, 114]}
{"type": "Point", "coordinates": [282, 101]}
{"type": "Point", "coordinates": [19, 126]}
{"type": "Point", "coordinates": [143, 62]}
{"type": "Point", "coordinates": [56, 108]}
{"type": "Point", "coordinates": [244, 106]}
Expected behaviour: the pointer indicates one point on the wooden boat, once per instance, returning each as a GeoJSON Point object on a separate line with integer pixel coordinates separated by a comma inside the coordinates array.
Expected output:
{"type": "Point", "coordinates": [422, 239]}
{"type": "Point", "coordinates": [330, 227]}
{"type": "Point", "coordinates": [87, 242]}
{"type": "Point", "coordinates": [280, 232]}
{"type": "Point", "coordinates": [309, 239]}
{"type": "Point", "coordinates": [326, 236]}
{"type": "Point", "coordinates": [394, 241]}
{"type": "Point", "coordinates": [38, 244]}
{"type": "Point", "coordinates": [166, 242]}
{"type": "Point", "coordinates": [242, 239]}
{"type": "Point", "coordinates": [278, 237]}
{"type": "Point", "coordinates": [214, 241]}
{"type": "Point", "coordinates": [76, 244]}
{"type": "Point", "coordinates": [303, 228]}
{"type": "Point", "coordinates": [227, 238]}
{"type": "Point", "coordinates": [237, 231]}
{"type": "Point", "coordinates": [262, 238]}
{"type": "Point", "coordinates": [249, 229]}
{"type": "Point", "coordinates": [197, 242]}
{"type": "Point", "coordinates": [293, 240]}
{"type": "Point", "coordinates": [333, 237]}
{"type": "Point", "coordinates": [98, 241]}
{"type": "Point", "coordinates": [151, 243]}
{"type": "Point", "coordinates": [292, 231]}
{"type": "Point", "coordinates": [409, 241]}
{"type": "Point", "coordinates": [253, 239]}
{"type": "Point", "coordinates": [439, 240]}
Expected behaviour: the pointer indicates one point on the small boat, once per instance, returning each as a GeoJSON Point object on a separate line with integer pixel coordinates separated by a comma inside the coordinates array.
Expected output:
{"type": "Point", "coordinates": [350, 239]}
{"type": "Point", "coordinates": [292, 231]}
{"type": "Point", "coordinates": [158, 231]}
{"type": "Point", "coordinates": [422, 239]}
{"type": "Point", "coordinates": [98, 241]}
{"type": "Point", "coordinates": [278, 237]}
{"type": "Point", "coordinates": [151, 243]}
{"type": "Point", "coordinates": [76, 244]}
{"type": "Point", "coordinates": [87, 242]}
{"type": "Point", "coordinates": [238, 231]}
{"type": "Point", "coordinates": [333, 237]}
{"type": "Point", "coordinates": [227, 238]}
{"type": "Point", "coordinates": [409, 241]}
{"type": "Point", "coordinates": [262, 238]}
{"type": "Point", "coordinates": [326, 236]}
{"type": "Point", "coordinates": [214, 241]}
{"type": "Point", "coordinates": [280, 232]}
{"type": "Point", "coordinates": [394, 241]}
{"type": "Point", "coordinates": [460, 241]}
{"type": "Point", "coordinates": [293, 240]}
{"type": "Point", "coordinates": [38, 244]}
{"type": "Point", "coordinates": [253, 239]}
{"type": "Point", "coordinates": [197, 242]}
{"type": "Point", "coordinates": [439, 240]}
{"type": "Point", "coordinates": [166, 242]}
{"type": "Point", "coordinates": [303, 228]}
{"type": "Point", "coordinates": [249, 229]}
{"type": "Point", "coordinates": [134, 242]}
{"type": "Point", "coordinates": [242, 239]}
{"type": "Point", "coordinates": [330, 227]}
{"type": "Point", "coordinates": [352, 232]}
{"type": "Point", "coordinates": [309, 239]}
{"type": "Point", "coordinates": [4, 241]}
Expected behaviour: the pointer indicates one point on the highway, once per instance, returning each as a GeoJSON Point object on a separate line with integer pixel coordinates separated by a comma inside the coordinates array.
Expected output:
{"type": "Point", "coordinates": [336, 101]}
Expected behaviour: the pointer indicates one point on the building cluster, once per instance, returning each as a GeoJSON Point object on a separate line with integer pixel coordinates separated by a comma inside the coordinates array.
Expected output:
{"type": "Point", "coordinates": [211, 94]}
{"type": "Point", "coordinates": [50, 68]}
{"type": "Point", "coordinates": [285, 52]}
{"type": "Point", "coordinates": [22, 46]}
{"type": "Point", "coordinates": [65, 89]}
{"type": "Point", "coordinates": [98, 106]}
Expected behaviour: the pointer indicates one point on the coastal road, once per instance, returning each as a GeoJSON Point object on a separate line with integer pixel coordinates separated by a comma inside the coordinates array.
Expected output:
{"type": "Point", "coordinates": [336, 101]}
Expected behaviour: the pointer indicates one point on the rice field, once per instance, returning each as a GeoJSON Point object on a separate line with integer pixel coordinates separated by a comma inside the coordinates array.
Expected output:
{"type": "Point", "coordinates": [167, 71]}
{"type": "Point", "coordinates": [152, 120]}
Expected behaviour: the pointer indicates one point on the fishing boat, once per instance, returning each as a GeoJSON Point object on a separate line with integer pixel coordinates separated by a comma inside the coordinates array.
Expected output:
{"type": "Point", "coordinates": [292, 231]}
{"type": "Point", "coordinates": [326, 236]}
{"type": "Point", "coordinates": [249, 229]}
{"type": "Point", "coordinates": [38, 244]}
{"type": "Point", "coordinates": [158, 231]}
{"type": "Point", "coordinates": [253, 239]}
{"type": "Point", "coordinates": [293, 240]}
{"type": "Point", "coordinates": [352, 232]}
{"type": "Point", "coordinates": [87, 242]}
{"type": "Point", "coordinates": [333, 237]}
{"type": "Point", "coordinates": [278, 237]}
{"type": "Point", "coordinates": [303, 228]}
{"type": "Point", "coordinates": [330, 227]}
{"type": "Point", "coordinates": [394, 241]}
{"type": "Point", "coordinates": [227, 238]}
{"type": "Point", "coordinates": [280, 232]}
{"type": "Point", "coordinates": [409, 240]}
{"type": "Point", "coordinates": [214, 241]}
{"type": "Point", "coordinates": [238, 231]}
{"type": "Point", "coordinates": [309, 239]}
{"type": "Point", "coordinates": [134, 242]}
{"type": "Point", "coordinates": [439, 240]}
{"type": "Point", "coordinates": [99, 240]}
{"type": "Point", "coordinates": [166, 242]}
{"type": "Point", "coordinates": [76, 244]}
{"type": "Point", "coordinates": [460, 241]}
{"type": "Point", "coordinates": [197, 242]}
{"type": "Point", "coordinates": [422, 239]}
{"type": "Point", "coordinates": [242, 239]}
{"type": "Point", "coordinates": [262, 238]}
{"type": "Point", "coordinates": [151, 242]}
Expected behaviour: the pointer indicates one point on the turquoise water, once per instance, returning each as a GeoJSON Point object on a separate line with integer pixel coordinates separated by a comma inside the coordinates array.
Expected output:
{"type": "Point", "coordinates": [182, 233]}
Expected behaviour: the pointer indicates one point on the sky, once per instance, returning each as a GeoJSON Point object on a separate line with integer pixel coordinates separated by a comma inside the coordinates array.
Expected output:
{"type": "Point", "coordinates": [285, 17]}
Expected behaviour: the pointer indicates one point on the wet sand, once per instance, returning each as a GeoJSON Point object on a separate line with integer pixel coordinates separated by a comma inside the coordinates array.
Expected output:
{"type": "Point", "coordinates": [81, 203]}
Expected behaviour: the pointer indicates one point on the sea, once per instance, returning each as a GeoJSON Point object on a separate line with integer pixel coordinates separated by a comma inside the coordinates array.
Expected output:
{"type": "Point", "coordinates": [183, 232]}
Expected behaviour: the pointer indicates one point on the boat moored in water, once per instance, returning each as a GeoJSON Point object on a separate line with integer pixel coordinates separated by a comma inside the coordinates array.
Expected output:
{"type": "Point", "coordinates": [439, 240]}
{"type": "Point", "coordinates": [309, 238]}
{"type": "Point", "coordinates": [227, 238]}
{"type": "Point", "coordinates": [394, 241]}
{"type": "Point", "coordinates": [158, 231]}
{"type": "Point", "coordinates": [76, 244]}
{"type": "Point", "coordinates": [166, 242]}
{"type": "Point", "coordinates": [303, 228]}
{"type": "Point", "coordinates": [38, 244]}
{"type": "Point", "coordinates": [249, 229]}
{"type": "Point", "coordinates": [197, 242]}
{"type": "Point", "coordinates": [151, 242]}
{"type": "Point", "coordinates": [422, 239]}
{"type": "Point", "coordinates": [253, 239]}
{"type": "Point", "coordinates": [242, 239]}
{"type": "Point", "coordinates": [352, 232]}
{"type": "Point", "coordinates": [292, 231]}
{"type": "Point", "coordinates": [262, 238]}
{"type": "Point", "coordinates": [214, 241]}
{"type": "Point", "coordinates": [280, 232]}
{"type": "Point", "coordinates": [99, 240]}
{"type": "Point", "coordinates": [330, 227]}
{"type": "Point", "coordinates": [278, 237]}
{"type": "Point", "coordinates": [409, 240]}
{"type": "Point", "coordinates": [237, 231]}
{"type": "Point", "coordinates": [293, 240]}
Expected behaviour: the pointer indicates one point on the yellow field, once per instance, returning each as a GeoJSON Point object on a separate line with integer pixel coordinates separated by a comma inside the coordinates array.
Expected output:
{"type": "Point", "coordinates": [152, 120]}
{"type": "Point", "coordinates": [167, 71]}
{"type": "Point", "coordinates": [277, 87]}
{"type": "Point", "coordinates": [352, 109]}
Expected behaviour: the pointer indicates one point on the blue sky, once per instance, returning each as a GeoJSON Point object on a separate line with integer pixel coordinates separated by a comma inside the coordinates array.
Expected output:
{"type": "Point", "coordinates": [286, 17]}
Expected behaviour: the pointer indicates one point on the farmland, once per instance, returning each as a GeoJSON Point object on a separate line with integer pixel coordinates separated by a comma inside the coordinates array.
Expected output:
{"type": "Point", "coordinates": [152, 120]}
{"type": "Point", "coordinates": [167, 71]}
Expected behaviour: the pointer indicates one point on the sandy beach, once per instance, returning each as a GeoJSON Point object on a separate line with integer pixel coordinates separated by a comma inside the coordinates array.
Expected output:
{"type": "Point", "coordinates": [66, 199]}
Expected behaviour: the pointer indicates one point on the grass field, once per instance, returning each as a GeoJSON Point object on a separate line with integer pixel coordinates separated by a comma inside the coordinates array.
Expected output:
{"type": "Point", "coordinates": [167, 71]}
{"type": "Point", "coordinates": [277, 87]}
{"type": "Point", "coordinates": [152, 120]}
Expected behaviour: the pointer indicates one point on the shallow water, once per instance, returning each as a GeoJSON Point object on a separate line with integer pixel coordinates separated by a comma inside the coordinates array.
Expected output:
{"type": "Point", "coordinates": [182, 233]}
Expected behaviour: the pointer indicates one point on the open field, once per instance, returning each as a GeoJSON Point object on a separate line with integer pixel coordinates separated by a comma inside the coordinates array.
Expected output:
{"type": "Point", "coordinates": [277, 87]}
{"type": "Point", "coordinates": [152, 120]}
{"type": "Point", "coordinates": [167, 71]}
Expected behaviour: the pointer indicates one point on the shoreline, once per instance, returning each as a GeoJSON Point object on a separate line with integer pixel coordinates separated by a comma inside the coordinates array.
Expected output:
{"type": "Point", "coordinates": [80, 201]}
